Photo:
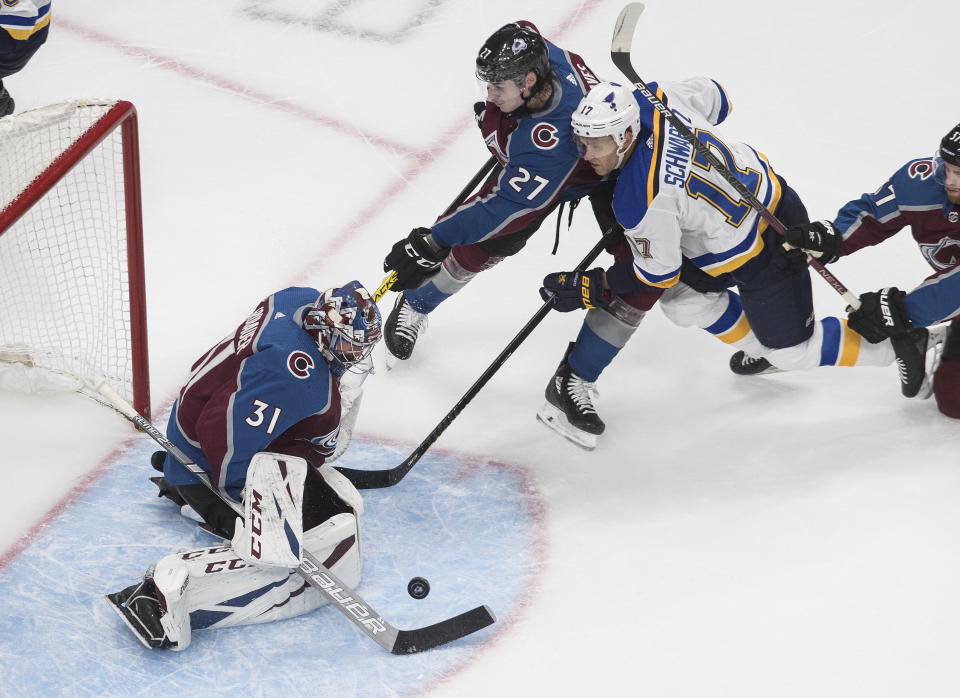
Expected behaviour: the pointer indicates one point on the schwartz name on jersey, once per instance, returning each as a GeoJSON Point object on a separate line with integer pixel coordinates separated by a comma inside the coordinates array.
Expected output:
{"type": "Point", "coordinates": [673, 204]}
{"type": "Point", "coordinates": [542, 166]}
{"type": "Point", "coordinates": [912, 197]}
{"type": "Point", "coordinates": [265, 387]}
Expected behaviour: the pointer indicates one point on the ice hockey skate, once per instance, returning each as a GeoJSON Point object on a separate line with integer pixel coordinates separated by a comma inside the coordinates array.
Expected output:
{"type": "Point", "coordinates": [744, 365]}
{"type": "Point", "coordinates": [7, 104]}
{"type": "Point", "coordinates": [139, 607]}
{"type": "Point", "coordinates": [911, 353]}
{"type": "Point", "coordinates": [942, 339]}
{"type": "Point", "coordinates": [402, 329]}
{"type": "Point", "coordinates": [570, 408]}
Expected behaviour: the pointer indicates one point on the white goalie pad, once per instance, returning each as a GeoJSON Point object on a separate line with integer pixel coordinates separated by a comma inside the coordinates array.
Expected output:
{"type": "Point", "coordinates": [343, 487]}
{"type": "Point", "coordinates": [217, 588]}
{"type": "Point", "coordinates": [271, 533]}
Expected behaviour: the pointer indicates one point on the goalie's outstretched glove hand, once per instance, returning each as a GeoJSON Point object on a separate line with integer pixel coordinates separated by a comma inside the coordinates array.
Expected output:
{"type": "Point", "coordinates": [415, 258]}
{"type": "Point", "coordinates": [881, 315]}
{"type": "Point", "coordinates": [574, 290]}
{"type": "Point", "coordinates": [820, 239]}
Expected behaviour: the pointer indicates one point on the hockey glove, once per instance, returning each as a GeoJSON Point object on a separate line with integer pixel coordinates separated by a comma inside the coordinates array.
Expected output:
{"type": "Point", "coordinates": [415, 258]}
{"type": "Point", "coordinates": [881, 315]}
{"type": "Point", "coordinates": [573, 290]}
{"type": "Point", "coordinates": [819, 239]}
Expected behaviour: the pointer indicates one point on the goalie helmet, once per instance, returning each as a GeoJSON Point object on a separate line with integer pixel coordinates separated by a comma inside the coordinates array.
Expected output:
{"type": "Point", "coordinates": [345, 323]}
{"type": "Point", "coordinates": [510, 53]}
{"type": "Point", "coordinates": [608, 109]}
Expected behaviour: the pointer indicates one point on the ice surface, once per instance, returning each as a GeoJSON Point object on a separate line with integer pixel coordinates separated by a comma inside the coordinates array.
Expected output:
{"type": "Point", "coordinates": [792, 535]}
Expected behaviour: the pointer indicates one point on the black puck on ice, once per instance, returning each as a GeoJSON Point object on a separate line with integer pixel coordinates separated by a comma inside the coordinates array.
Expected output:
{"type": "Point", "coordinates": [418, 588]}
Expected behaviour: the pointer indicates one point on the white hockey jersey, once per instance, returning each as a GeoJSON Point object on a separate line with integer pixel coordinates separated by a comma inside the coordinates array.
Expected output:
{"type": "Point", "coordinates": [21, 19]}
{"type": "Point", "coordinates": [671, 201]}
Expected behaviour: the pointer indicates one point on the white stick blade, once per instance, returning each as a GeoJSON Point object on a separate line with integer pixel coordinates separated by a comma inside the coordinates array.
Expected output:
{"type": "Point", "coordinates": [625, 26]}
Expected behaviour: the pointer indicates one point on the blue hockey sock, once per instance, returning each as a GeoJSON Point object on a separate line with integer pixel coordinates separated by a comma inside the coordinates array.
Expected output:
{"type": "Point", "coordinates": [426, 298]}
{"type": "Point", "coordinates": [591, 354]}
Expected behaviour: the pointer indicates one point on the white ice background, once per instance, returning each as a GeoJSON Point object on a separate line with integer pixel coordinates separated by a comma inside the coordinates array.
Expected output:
{"type": "Point", "coordinates": [791, 535]}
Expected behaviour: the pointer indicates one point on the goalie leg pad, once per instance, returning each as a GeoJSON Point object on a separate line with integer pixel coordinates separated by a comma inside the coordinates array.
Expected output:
{"type": "Point", "coordinates": [271, 533]}
{"type": "Point", "coordinates": [223, 590]}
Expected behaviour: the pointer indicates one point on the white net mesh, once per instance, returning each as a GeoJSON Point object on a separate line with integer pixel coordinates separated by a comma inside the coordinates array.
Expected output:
{"type": "Point", "coordinates": [64, 288]}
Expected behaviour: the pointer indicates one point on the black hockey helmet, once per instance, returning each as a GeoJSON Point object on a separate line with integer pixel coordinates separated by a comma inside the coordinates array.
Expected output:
{"type": "Point", "coordinates": [510, 53]}
{"type": "Point", "coordinates": [950, 147]}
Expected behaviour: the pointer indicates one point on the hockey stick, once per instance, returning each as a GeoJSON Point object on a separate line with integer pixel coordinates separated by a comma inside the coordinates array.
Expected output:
{"type": "Point", "coordinates": [341, 596]}
{"type": "Point", "coordinates": [375, 479]}
{"type": "Point", "coordinates": [620, 47]}
{"type": "Point", "coordinates": [488, 167]}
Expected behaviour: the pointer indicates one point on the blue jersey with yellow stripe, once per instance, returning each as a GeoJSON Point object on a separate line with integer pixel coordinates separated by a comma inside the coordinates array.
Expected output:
{"type": "Point", "coordinates": [672, 203]}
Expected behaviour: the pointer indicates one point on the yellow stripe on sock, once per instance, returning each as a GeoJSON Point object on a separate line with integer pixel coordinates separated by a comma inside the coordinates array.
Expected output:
{"type": "Point", "coordinates": [851, 346]}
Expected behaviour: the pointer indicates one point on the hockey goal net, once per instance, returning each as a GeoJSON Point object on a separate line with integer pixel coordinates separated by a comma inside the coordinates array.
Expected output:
{"type": "Point", "coordinates": [72, 303]}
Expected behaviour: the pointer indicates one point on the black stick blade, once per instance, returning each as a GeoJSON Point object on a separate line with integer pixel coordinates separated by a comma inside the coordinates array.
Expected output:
{"type": "Point", "coordinates": [421, 639]}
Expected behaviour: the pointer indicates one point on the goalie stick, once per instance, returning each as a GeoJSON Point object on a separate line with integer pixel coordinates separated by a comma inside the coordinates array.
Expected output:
{"type": "Point", "coordinates": [375, 479]}
{"type": "Point", "coordinates": [620, 46]}
{"type": "Point", "coordinates": [489, 166]}
{"type": "Point", "coordinates": [341, 596]}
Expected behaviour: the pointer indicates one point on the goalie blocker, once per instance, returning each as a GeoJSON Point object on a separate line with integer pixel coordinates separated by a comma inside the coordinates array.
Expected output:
{"type": "Point", "coordinates": [251, 581]}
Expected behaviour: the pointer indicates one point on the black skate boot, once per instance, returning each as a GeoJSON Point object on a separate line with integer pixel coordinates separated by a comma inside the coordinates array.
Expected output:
{"type": "Point", "coordinates": [140, 608]}
{"type": "Point", "coordinates": [403, 327]}
{"type": "Point", "coordinates": [910, 349]}
{"type": "Point", "coordinates": [943, 344]}
{"type": "Point", "coordinates": [6, 101]}
{"type": "Point", "coordinates": [745, 365]}
{"type": "Point", "coordinates": [570, 409]}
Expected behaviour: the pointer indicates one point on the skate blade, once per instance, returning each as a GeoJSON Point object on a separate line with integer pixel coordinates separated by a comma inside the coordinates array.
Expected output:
{"type": "Point", "coordinates": [115, 605]}
{"type": "Point", "coordinates": [938, 337]}
{"type": "Point", "coordinates": [389, 360]}
{"type": "Point", "coordinates": [557, 420]}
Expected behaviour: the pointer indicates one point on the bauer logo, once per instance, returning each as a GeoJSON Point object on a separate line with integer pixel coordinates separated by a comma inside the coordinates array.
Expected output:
{"type": "Point", "coordinates": [299, 364]}
{"type": "Point", "coordinates": [544, 136]}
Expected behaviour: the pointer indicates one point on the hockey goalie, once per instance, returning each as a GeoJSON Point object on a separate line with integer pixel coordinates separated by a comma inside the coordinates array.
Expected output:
{"type": "Point", "coordinates": [262, 412]}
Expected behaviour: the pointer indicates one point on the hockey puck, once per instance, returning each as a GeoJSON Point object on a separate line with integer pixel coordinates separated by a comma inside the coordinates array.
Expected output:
{"type": "Point", "coordinates": [418, 588]}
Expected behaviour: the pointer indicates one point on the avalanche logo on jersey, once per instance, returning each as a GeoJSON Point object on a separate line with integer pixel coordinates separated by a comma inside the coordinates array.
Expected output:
{"type": "Point", "coordinates": [921, 169]}
{"type": "Point", "coordinates": [943, 255]}
{"type": "Point", "coordinates": [299, 364]}
{"type": "Point", "coordinates": [327, 442]}
{"type": "Point", "coordinates": [544, 136]}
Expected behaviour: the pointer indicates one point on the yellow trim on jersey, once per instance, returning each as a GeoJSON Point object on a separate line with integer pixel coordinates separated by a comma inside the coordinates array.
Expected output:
{"type": "Point", "coordinates": [23, 34]}
{"type": "Point", "coordinates": [777, 191]}
{"type": "Point", "coordinates": [741, 259]}
{"type": "Point", "coordinates": [851, 346]}
{"type": "Point", "coordinates": [653, 176]}
{"type": "Point", "coordinates": [666, 283]}
{"type": "Point", "coordinates": [757, 246]}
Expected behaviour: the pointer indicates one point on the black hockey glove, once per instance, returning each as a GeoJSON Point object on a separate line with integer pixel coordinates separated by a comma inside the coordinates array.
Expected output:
{"type": "Point", "coordinates": [415, 258]}
{"type": "Point", "coordinates": [479, 110]}
{"type": "Point", "coordinates": [574, 290]}
{"type": "Point", "coordinates": [881, 315]}
{"type": "Point", "coordinates": [819, 238]}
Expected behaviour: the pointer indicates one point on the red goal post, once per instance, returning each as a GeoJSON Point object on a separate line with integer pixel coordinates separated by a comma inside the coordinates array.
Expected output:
{"type": "Point", "coordinates": [72, 298]}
